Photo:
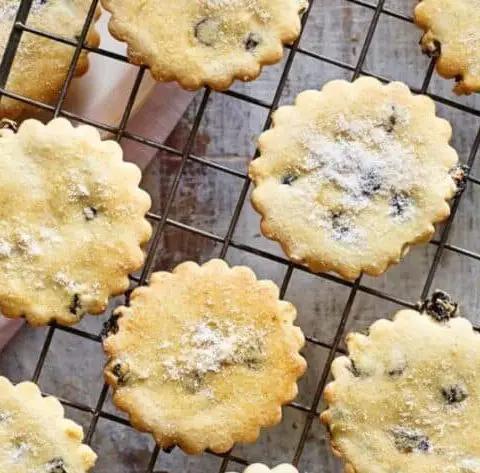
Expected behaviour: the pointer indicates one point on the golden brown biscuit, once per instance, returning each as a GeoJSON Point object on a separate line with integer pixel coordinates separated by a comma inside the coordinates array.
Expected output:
{"type": "Point", "coordinates": [205, 42]}
{"type": "Point", "coordinates": [452, 34]}
{"type": "Point", "coordinates": [35, 437]}
{"type": "Point", "coordinates": [351, 176]}
{"type": "Point", "coordinates": [72, 222]}
{"type": "Point", "coordinates": [259, 468]}
{"type": "Point", "coordinates": [197, 349]}
{"type": "Point", "coordinates": [41, 64]}
{"type": "Point", "coordinates": [408, 396]}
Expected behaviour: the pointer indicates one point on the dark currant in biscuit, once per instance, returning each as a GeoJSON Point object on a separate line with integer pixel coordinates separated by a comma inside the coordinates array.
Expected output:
{"type": "Point", "coordinates": [459, 175]}
{"type": "Point", "coordinates": [340, 226]}
{"type": "Point", "coordinates": [455, 393]}
{"type": "Point", "coordinates": [120, 371]}
{"type": "Point", "coordinates": [76, 305]}
{"type": "Point", "coordinates": [252, 41]}
{"type": "Point", "coordinates": [440, 306]}
{"type": "Point", "coordinates": [399, 203]}
{"type": "Point", "coordinates": [432, 49]}
{"type": "Point", "coordinates": [370, 182]}
{"type": "Point", "coordinates": [391, 120]}
{"type": "Point", "coordinates": [205, 31]}
{"type": "Point", "coordinates": [398, 370]}
{"type": "Point", "coordinates": [289, 179]}
{"type": "Point", "coordinates": [110, 327]}
{"type": "Point", "coordinates": [57, 465]}
{"type": "Point", "coordinates": [409, 440]}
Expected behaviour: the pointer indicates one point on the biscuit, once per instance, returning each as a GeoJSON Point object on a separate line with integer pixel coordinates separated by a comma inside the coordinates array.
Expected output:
{"type": "Point", "coordinates": [35, 437]}
{"type": "Point", "coordinates": [41, 65]}
{"type": "Point", "coordinates": [205, 42]}
{"type": "Point", "coordinates": [259, 468]}
{"type": "Point", "coordinates": [452, 35]}
{"type": "Point", "coordinates": [351, 176]}
{"type": "Point", "coordinates": [407, 398]}
{"type": "Point", "coordinates": [72, 222]}
{"type": "Point", "coordinates": [204, 357]}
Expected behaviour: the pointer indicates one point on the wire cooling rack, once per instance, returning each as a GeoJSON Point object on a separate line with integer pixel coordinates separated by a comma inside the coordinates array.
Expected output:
{"type": "Point", "coordinates": [164, 221]}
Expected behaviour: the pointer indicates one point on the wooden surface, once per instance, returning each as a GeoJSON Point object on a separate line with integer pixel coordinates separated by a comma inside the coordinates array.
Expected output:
{"type": "Point", "coordinates": [207, 198]}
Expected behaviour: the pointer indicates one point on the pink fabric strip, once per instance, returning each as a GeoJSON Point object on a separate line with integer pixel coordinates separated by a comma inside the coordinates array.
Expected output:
{"type": "Point", "coordinates": [8, 328]}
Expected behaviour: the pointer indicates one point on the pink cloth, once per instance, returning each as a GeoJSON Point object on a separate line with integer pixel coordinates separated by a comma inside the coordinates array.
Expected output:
{"type": "Point", "coordinates": [155, 120]}
{"type": "Point", "coordinates": [8, 328]}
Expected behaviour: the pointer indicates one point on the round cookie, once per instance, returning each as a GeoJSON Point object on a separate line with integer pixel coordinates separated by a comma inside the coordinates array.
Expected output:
{"type": "Point", "coordinates": [35, 437]}
{"type": "Point", "coordinates": [197, 349]}
{"type": "Point", "coordinates": [72, 222]}
{"type": "Point", "coordinates": [408, 396]}
{"type": "Point", "coordinates": [259, 468]}
{"type": "Point", "coordinates": [452, 35]}
{"type": "Point", "coordinates": [41, 65]}
{"type": "Point", "coordinates": [205, 42]}
{"type": "Point", "coordinates": [351, 176]}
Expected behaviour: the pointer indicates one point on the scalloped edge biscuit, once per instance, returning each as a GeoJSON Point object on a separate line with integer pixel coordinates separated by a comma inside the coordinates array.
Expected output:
{"type": "Point", "coordinates": [301, 243]}
{"type": "Point", "coordinates": [192, 66]}
{"type": "Point", "coordinates": [444, 39]}
{"type": "Point", "coordinates": [180, 291]}
{"type": "Point", "coordinates": [46, 82]}
{"type": "Point", "coordinates": [132, 202]}
{"type": "Point", "coordinates": [439, 310]}
{"type": "Point", "coordinates": [35, 408]}
{"type": "Point", "coordinates": [260, 468]}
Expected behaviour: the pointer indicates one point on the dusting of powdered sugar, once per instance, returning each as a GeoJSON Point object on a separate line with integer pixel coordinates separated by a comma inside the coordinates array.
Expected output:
{"type": "Point", "coordinates": [50, 235]}
{"type": "Point", "coordinates": [251, 5]}
{"type": "Point", "coordinates": [25, 244]}
{"type": "Point", "coordinates": [9, 11]}
{"type": "Point", "coordinates": [469, 465]}
{"type": "Point", "coordinates": [19, 451]}
{"type": "Point", "coordinates": [28, 245]}
{"type": "Point", "coordinates": [5, 249]}
{"type": "Point", "coordinates": [207, 347]}
{"type": "Point", "coordinates": [63, 280]}
{"type": "Point", "coordinates": [363, 160]}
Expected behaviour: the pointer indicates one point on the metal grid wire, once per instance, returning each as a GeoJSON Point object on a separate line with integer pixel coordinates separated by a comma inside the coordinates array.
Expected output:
{"type": "Point", "coordinates": [161, 222]}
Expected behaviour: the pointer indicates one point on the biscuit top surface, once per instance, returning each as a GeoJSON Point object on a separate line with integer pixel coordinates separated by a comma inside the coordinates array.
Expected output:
{"type": "Point", "coordinates": [353, 173]}
{"type": "Point", "coordinates": [72, 221]}
{"type": "Point", "coordinates": [452, 33]}
{"type": "Point", "coordinates": [34, 435]}
{"type": "Point", "coordinates": [408, 397]}
{"type": "Point", "coordinates": [197, 348]}
{"type": "Point", "coordinates": [206, 41]}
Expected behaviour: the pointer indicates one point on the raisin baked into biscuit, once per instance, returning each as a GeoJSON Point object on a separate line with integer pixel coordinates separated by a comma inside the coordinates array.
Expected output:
{"type": "Point", "coordinates": [407, 399]}
{"type": "Point", "coordinates": [72, 222]}
{"type": "Point", "coordinates": [205, 42]}
{"type": "Point", "coordinates": [196, 349]}
{"type": "Point", "coordinates": [41, 65]}
{"type": "Point", "coordinates": [352, 175]}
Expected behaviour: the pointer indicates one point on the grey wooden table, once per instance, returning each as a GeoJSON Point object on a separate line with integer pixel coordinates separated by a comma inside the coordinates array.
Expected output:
{"type": "Point", "coordinates": [206, 199]}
